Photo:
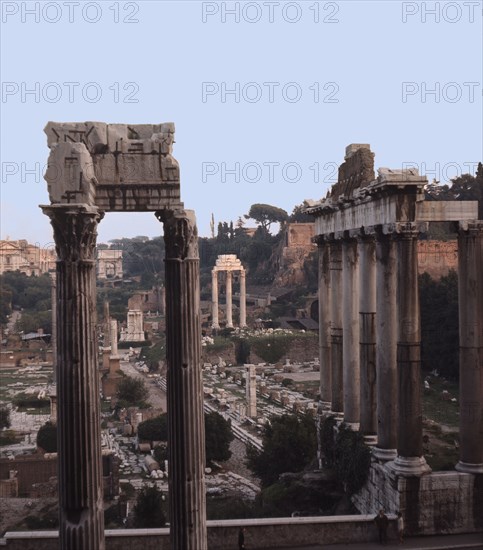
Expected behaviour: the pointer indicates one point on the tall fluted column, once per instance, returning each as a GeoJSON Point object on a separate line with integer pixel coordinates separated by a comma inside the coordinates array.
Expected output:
{"type": "Point", "coordinates": [410, 459]}
{"type": "Point", "coordinates": [53, 338]}
{"type": "Point", "coordinates": [324, 324]}
{"type": "Point", "coordinates": [367, 308]}
{"type": "Point", "coordinates": [186, 433]}
{"type": "Point", "coordinates": [214, 299]}
{"type": "Point", "coordinates": [350, 328]}
{"type": "Point", "coordinates": [243, 299]}
{"type": "Point", "coordinates": [386, 345]}
{"type": "Point", "coordinates": [81, 515]}
{"type": "Point", "coordinates": [336, 336]}
{"type": "Point", "coordinates": [470, 290]}
{"type": "Point", "coordinates": [229, 300]}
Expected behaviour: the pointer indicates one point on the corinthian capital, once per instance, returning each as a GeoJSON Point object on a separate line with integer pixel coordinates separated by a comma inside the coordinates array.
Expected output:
{"type": "Point", "coordinates": [180, 234]}
{"type": "Point", "coordinates": [75, 230]}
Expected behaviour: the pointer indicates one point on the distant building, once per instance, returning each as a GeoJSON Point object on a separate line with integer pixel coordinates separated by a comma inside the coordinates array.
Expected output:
{"type": "Point", "coordinates": [25, 257]}
{"type": "Point", "coordinates": [109, 264]}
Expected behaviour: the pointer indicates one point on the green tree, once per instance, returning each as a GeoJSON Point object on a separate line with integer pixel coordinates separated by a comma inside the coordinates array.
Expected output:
{"type": "Point", "coordinates": [4, 418]}
{"type": "Point", "coordinates": [149, 509]}
{"type": "Point", "coordinates": [132, 392]}
{"type": "Point", "coordinates": [218, 436]}
{"type": "Point", "coordinates": [439, 324]}
{"type": "Point", "coordinates": [289, 445]}
{"type": "Point", "coordinates": [242, 351]}
{"type": "Point", "coordinates": [352, 459]}
{"type": "Point", "coordinates": [300, 216]}
{"type": "Point", "coordinates": [47, 437]}
{"type": "Point", "coordinates": [266, 214]}
{"type": "Point", "coordinates": [154, 429]}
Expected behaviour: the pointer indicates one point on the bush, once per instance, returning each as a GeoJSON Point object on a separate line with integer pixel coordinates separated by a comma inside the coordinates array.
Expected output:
{"type": "Point", "coordinates": [242, 351]}
{"type": "Point", "coordinates": [154, 429]}
{"type": "Point", "coordinates": [47, 437]}
{"type": "Point", "coordinates": [352, 459]}
{"type": "Point", "coordinates": [218, 436]}
{"type": "Point", "coordinates": [289, 445]}
{"type": "Point", "coordinates": [271, 348]}
{"type": "Point", "coordinates": [132, 392]}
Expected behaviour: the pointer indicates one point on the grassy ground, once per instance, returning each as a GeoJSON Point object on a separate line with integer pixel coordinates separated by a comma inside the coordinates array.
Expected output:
{"type": "Point", "coordinates": [441, 425]}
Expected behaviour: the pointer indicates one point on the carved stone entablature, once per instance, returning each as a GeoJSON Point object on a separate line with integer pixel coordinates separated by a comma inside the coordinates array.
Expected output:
{"type": "Point", "coordinates": [180, 234]}
{"type": "Point", "coordinates": [117, 167]}
{"type": "Point", "coordinates": [228, 262]}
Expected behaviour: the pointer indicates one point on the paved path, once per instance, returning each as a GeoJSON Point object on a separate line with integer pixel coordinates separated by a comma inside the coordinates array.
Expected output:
{"type": "Point", "coordinates": [440, 542]}
{"type": "Point", "coordinates": [157, 397]}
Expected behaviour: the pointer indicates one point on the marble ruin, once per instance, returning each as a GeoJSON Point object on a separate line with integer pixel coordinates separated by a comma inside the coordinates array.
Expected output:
{"type": "Point", "coordinates": [367, 232]}
{"type": "Point", "coordinates": [228, 263]}
{"type": "Point", "coordinates": [95, 168]}
{"type": "Point", "coordinates": [251, 390]}
{"type": "Point", "coordinates": [109, 264]}
{"type": "Point", "coordinates": [135, 328]}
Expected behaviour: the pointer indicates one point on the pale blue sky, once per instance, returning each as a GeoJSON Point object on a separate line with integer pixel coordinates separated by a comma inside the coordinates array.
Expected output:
{"type": "Point", "coordinates": [362, 61]}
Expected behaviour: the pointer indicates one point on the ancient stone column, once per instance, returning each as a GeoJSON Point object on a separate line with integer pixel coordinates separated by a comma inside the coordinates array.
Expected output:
{"type": "Point", "coordinates": [214, 299]}
{"type": "Point", "coordinates": [410, 459]}
{"type": "Point", "coordinates": [386, 345]}
{"type": "Point", "coordinates": [324, 324]}
{"type": "Point", "coordinates": [350, 328]}
{"type": "Point", "coordinates": [53, 338]}
{"type": "Point", "coordinates": [243, 299]}
{"type": "Point", "coordinates": [470, 292]}
{"type": "Point", "coordinates": [113, 331]}
{"type": "Point", "coordinates": [81, 514]}
{"type": "Point", "coordinates": [251, 391]}
{"type": "Point", "coordinates": [186, 433]}
{"type": "Point", "coordinates": [367, 309]}
{"type": "Point", "coordinates": [229, 300]}
{"type": "Point", "coordinates": [336, 336]}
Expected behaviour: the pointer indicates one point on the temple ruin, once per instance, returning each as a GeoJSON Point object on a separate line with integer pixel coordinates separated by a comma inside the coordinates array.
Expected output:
{"type": "Point", "coordinates": [228, 263]}
{"type": "Point", "coordinates": [95, 168]}
{"type": "Point", "coordinates": [367, 232]}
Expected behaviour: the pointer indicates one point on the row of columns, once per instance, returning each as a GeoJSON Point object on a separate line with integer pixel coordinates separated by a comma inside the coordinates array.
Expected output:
{"type": "Point", "coordinates": [229, 298]}
{"type": "Point", "coordinates": [81, 517]}
{"type": "Point", "coordinates": [370, 338]}
{"type": "Point", "coordinates": [370, 351]}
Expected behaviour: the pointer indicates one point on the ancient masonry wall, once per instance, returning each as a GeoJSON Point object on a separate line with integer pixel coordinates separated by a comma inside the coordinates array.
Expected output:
{"type": "Point", "coordinates": [441, 502]}
{"type": "Point", "coordinates": [437, 257]}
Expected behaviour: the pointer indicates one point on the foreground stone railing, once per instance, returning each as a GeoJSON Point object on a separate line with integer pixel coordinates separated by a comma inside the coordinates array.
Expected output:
{"type": "Point", "coordinates": [260, 533]}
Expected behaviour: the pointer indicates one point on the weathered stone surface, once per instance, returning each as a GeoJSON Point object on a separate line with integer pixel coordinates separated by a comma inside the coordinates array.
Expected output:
{"type": "Point", "coordinates": [117, 167]}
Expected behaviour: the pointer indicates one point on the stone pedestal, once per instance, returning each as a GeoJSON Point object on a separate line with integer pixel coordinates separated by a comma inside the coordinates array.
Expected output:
{"type": "Point", "coordinates": [324, 325]}
{"type": "Point", "coordinates": [81, 515]}
{"type": "Point", "coordinates": [251, 391]}
{"type": "Point", "coordinates": [350, 328]}
{"type": "Point", "coordinates": [186, 433]}
{"type": "Point", "coordinates": [386, 346]}
{"type": "Point", "coordinates": [470, 290]}
{"type": "Point", "coordinates": [367, 307]}
{"type": "Point", "coordinates": [336, 337]}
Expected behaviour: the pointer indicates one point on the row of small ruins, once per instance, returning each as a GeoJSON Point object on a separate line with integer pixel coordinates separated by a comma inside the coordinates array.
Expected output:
{"type": "Point", "coordinates": [366, 230]}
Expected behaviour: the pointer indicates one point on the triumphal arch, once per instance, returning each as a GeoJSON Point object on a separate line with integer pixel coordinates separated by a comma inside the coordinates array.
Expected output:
{"type": "Point", "coordinates": [96, 168]}
{"type": "Point", "coordinates": [367, 231]}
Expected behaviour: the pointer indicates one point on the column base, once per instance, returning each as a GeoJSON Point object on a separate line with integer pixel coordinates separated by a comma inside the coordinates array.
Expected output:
{"type": "Point", "coordinates": [468, 468]}
{"type": "Point", "coordinates": [229, 325]}
{"type": "Point", "coordinates": [370, 440]}
{"type": "Point", "coordinates": [354, 426]}
{"type": "Point", "coordinates": [339, 415]}
{"type": "Point", "coordinates": [324, 406]}
{"type": "Point", "coordinates": [384, 455]}
{"type": "Point", "coordinates": [216, 327]}
{"type": "Point", "coordinates": [410, 466]}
